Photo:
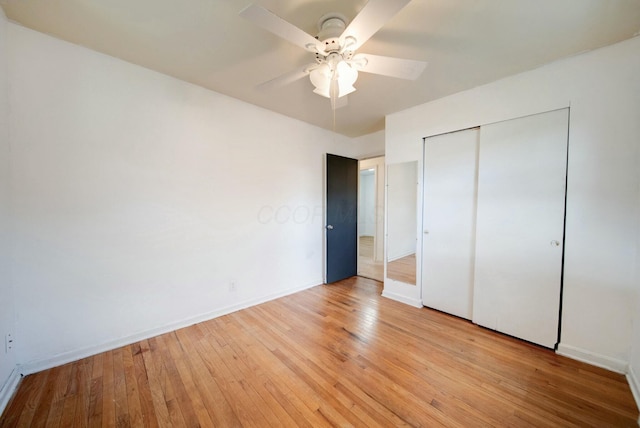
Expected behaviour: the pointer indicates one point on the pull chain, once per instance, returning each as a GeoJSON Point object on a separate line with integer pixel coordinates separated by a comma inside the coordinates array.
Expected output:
{"type": "Point", "coordinates": [334, 119]}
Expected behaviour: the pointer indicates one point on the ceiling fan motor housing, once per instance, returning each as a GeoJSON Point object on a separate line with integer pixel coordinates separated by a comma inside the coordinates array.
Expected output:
{"type": "Point", "coordinates": [331, 26]}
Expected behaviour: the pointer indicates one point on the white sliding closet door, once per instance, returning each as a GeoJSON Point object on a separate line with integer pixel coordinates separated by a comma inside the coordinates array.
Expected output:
{"type": "Point", "coordinates": [450, 165]}
{"type": "Point", "coordinates": [520, 225]}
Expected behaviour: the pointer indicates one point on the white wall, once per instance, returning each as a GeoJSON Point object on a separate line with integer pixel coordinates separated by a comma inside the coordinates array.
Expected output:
{"type": "Point", "coordinates": [634, 363]}
{"type": "Point", "coordinates": [602, 87]}
{"type": "Point", "coordinates": [370, 145]}
{"type": "Point", "coordinates": [7, 359]}
{"type": "Point", "coordinates": [139, 199]}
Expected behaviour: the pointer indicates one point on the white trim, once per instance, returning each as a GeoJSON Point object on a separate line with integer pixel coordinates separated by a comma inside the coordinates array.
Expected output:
{"type": "Point", "coordinates": [67, 357]}
{"type": "Point", "coordinates": [416, 303]}
{"type": "Point", "coordinates": [634, 384]}
{"type": "Point", "coordinates": [9, 388]}
{"type": "Point", "coordinates": [592, 358]}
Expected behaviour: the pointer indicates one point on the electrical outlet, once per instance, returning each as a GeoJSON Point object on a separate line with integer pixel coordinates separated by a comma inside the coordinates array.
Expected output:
{"type": "Point", "coordinates": [8, 343]}
{"type": "Point", "coordinates": [232, 286]}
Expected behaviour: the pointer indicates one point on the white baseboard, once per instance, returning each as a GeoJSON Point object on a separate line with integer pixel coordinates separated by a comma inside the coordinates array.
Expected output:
{"type": "Point", "coordinates": [417, 303]}
{"type": "Point", "coordinates": [634, 384]}
{"type": "Point", "coordinates": [592, 358]}
{"type": "Point", "coordinates": [9, 388]}
{"type": "Point", "coordinates": [67, 357]}
{"type": "Point", "coordinates": [400, 256]}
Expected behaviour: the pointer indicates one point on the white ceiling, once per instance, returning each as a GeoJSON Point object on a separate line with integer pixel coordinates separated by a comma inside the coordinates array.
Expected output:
{"type": "Point", "coordinates": [466, 43]}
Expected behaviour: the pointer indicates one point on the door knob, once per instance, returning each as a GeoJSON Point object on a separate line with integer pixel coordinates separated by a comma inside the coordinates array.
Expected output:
{"type": "Point", "coordinates": [329, 227]}
{"type": "Point", "coordinates": [556, 243]}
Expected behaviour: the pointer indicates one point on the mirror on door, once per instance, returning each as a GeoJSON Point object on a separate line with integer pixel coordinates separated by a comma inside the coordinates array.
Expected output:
{"type": "Point", "coordinates": [402, 186]}
{"type": "Point", "coordinates": [371, 219]}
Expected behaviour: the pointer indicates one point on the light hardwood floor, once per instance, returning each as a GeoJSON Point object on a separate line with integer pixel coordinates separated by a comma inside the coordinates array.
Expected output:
{"type": "Point", "coordinates": [403, 270]}
{"type": "Point", "coordinates": [367, 266]}
{"type": "Point", "coordinates": [332, 355]}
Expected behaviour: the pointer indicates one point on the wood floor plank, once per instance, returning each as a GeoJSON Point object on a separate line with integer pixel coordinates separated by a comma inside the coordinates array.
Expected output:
{"type": "Point", "coordinates": [297, 398]}
{"type": "Point", "coordinates": [221, 412]}
{"type": "Point", "coordinates": [316, 397]}
{"type": "Point", "coordinates": [108, 400]}
{"type": "Point", "coordinates": [71, 398]}
{"type": "Point", "coordinates": [122, 415]}
{"type": "Point", "coordinates": [45, 405]}
{"type": "Point", "coordinates": [134, 405]}
{"type": "Point", "coordinates": [26, 387]}
{"type": "Point", "coordinates": [336, 355]}
{"type": "Point", "coordinates": [95, 403]}
{"type": "Point", "coordinates": [155, 378]}
{"type": "Point", "coordinates": [238, 393]}
{"type": "Point", "coordinates": [82, 409]}
{"type": "Point", "coordinates": [403, 270]}
{"type": "Point", "coordinates": [252, 371]}
{"type": "Point", "coordinates": [33, 399]}
{"type": "Point", "coordinates": [95, 392]}
{"type": "Point", "coordinates": [312, 369]}
{"type": "Point", "coordinates": [185, 387]}
{"type": "Point", "coordinates": [241, 370]}
{"type": "Point", "coordinates": [57, 406]}
{"type": "Point", "coordinates": [171, 385]}
{"type": "Point", "coordinates": [149, 418]}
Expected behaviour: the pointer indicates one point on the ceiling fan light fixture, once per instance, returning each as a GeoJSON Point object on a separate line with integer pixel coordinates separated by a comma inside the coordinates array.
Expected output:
{"type": "Point", "coordinates": [321, 79]}
{"type": "Point", "coordinates": [336, 65]}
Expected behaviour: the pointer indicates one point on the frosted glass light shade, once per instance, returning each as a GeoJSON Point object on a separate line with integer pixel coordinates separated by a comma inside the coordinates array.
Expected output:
{"type": "Point", "coordinates": [321, 79]}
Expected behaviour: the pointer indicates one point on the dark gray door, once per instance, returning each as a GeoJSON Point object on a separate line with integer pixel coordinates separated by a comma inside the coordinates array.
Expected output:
{"type": "Point", "coordinates": [342, 218]}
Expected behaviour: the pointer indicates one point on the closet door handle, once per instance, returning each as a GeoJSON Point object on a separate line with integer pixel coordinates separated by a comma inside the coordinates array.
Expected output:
{"type": "Point", "coordinates": [556, 243]}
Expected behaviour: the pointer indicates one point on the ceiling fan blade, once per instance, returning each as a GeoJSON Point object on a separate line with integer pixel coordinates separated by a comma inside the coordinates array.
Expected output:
{"type": "Point", "coordinates": [288, 78]}
{"type": "Point", "coordinates": [371, 18]}
{"type": "Point", "coordinates": [387, 66]}
{"type": "Point", "coordinates": [271, 22]}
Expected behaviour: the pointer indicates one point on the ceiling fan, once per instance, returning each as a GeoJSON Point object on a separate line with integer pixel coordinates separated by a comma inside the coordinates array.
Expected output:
{"type": "Point", "coordinates": [336, 64]}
